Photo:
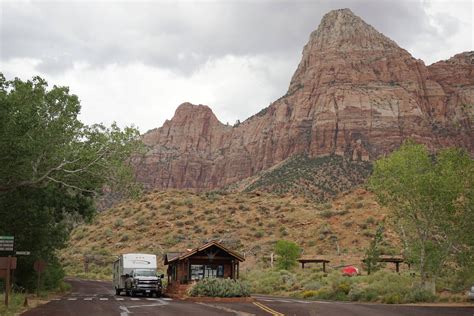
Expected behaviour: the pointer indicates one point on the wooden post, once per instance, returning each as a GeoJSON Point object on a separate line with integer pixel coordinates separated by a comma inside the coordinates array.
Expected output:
{"type": "Point", "coordinates": [86, 264]}
{"type": "Point", "coordinates": [396, 265]}
{"type": "Point", "coordinates": [7, 281]}
{"type": "Point", "coordinates": [302, 265]}
{"type": "Point", "coordinates": [271, 260]}
{"type": "Point", "coordinates": [324, 267]}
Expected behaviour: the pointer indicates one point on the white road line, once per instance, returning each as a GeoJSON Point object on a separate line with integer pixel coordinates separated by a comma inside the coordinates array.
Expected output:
{"type": "Point", "coordinates": [152, 299]}
{"type": "Point", "coordinates": [134, 299]}
{"type": "Point", "coordinates": [149, 305]}
{"type": "Point", "coordinates": [125, 311]}
{"type": "Point", "coordinates": [166, 299]}
{"type": "Point", "coordinates": [72, 299]}
{"type": "Point", "coordinates": [88, 298]}
{"type": "Point", "coordinates": [119, 298]}
{"type": "Point", "coordinates": [103, 299]}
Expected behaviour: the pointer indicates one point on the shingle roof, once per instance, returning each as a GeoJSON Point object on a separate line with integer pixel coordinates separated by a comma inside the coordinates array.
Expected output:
{"type": "Point", "coordinates": [173, 256]}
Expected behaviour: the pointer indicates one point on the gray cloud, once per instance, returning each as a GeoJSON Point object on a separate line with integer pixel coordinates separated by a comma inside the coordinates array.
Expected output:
{"type": "Point", "coordinates": [134, 62]}
{"type": "Point", "coordinates": [182, 36]}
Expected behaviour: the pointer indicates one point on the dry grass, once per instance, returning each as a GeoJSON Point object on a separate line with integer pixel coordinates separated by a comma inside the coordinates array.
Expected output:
{"type": "Point", "coordinates": [247, 222]}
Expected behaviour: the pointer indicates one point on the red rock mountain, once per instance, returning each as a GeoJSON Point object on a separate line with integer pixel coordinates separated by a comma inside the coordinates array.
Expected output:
{"type": "Point", "coordinates": [355, 93]}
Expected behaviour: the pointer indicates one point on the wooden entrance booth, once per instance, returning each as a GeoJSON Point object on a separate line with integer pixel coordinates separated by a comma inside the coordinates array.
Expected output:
{"type": "Point", "coordinates": [211, 260]}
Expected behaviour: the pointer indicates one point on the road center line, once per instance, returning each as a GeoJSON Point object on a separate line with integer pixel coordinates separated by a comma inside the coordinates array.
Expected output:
{"type": "Point", "coordinates": [268, 309]}
{"type": "Point", "coordinates": [239, 313]}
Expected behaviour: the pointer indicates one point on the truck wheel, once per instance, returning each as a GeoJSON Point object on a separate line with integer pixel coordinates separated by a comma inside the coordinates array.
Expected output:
{"type": "Point", "coordinates": [127, 293]}
{"type": "Point", "coordinates": [117, 291]}
{"type": "Point", "coordinates": [132, 293]}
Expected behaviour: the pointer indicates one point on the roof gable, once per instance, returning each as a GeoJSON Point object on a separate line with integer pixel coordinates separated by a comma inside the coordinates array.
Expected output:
{"type": "Point", "coordinates": [170, 257]}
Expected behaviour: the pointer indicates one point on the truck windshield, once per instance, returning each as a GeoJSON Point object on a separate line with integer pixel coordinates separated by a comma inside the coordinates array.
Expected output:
{"type": "Point", "coordinates": [144, 273]}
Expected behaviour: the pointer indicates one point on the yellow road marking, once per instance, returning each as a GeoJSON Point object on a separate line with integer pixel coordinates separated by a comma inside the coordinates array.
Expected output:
{"type": "Point", "coordinates": [268, 309]}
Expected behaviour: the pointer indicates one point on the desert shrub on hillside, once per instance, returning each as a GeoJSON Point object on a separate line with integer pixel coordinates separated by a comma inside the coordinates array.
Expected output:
{"type": "Point", "coordinates": [318, 179]}
{"type": "Point", "coordinates": [118, 223]}
{"type": "Point", "coordinates": [219, 288]}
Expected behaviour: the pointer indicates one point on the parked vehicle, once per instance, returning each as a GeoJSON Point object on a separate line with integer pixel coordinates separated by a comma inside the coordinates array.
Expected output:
{"type": "Point", "coordinates": [136, 273]}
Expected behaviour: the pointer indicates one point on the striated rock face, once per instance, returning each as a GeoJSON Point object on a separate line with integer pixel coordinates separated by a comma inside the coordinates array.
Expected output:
{"type": "Point", "coordinates": [355, 93]}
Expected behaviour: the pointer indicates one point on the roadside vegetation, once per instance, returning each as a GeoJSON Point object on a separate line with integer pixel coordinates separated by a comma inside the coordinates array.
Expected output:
{"type": "Point", "coordinates": [52, 169]}
{"type": "Point", "coordinates": [19, 295]}
{"type": "Point", "coordinates": [219, 288]}
{"type": "Point", "coordinates": [431, 203]}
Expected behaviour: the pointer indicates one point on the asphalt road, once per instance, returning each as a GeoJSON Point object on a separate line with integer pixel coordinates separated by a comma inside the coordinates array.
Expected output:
{"type": "Point", "coordinates": [97, 298]}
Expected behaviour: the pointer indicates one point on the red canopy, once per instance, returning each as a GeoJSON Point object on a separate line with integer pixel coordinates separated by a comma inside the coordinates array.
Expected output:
{"type": "Point", "coordinates": [350, 271]}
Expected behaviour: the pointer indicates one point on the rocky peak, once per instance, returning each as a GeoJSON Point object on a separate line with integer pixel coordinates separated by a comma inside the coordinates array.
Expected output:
{"type": "Point", "coordinates": [189, 125]}
{"type": "Point", "coordinates": [343, 30]}
{"type": "Point", "coordinates": [194, 113]}
{"type": "Point", "coordinates": [341, 41]}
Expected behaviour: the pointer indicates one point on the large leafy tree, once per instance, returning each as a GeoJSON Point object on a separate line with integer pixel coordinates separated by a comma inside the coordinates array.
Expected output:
{"type": "Point", "coordinates": [287, 252]}
{"type": "Point", "coordinates": [431, 199]}
{"type": "Point", "coordinates": [53, 167]}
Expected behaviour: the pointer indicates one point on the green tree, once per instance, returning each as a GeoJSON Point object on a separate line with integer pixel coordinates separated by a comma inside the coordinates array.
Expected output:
{"type": "Point", "coordinates": [287, 253]}
{"type": "Point", "coordinates": [372, 253]}
{"type": "Point", "coordinates": [53, 167]}
{"type": "Point", "coordinates": [431, 199]}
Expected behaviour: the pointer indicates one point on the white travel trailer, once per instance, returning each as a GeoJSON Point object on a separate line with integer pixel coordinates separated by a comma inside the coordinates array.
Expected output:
{"type": "Point", "coordinates": [136, 273]}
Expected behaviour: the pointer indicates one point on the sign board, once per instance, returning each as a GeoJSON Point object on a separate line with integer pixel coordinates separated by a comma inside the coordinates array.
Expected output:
{"type": "Point", "coordinates": [22, 253]}
{"type": "Point", "coordinates": [4, 263]}
{"type": "Point", "coordinates": [7, 243]}
{"type": "Point", "coordinates": [39, 266]}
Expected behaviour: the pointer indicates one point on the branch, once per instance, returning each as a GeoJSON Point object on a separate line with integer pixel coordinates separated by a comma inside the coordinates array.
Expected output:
{"type": "Point", "coordinates": [71, 186]}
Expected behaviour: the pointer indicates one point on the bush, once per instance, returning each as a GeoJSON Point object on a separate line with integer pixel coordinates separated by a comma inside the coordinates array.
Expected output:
{"type": "Point", "coordinates": [310, 293]}
{"type": "Point", "coordinates": [219, 288]}
{"type": "Point", "coordinates": [270, 281]}
{"type": "Point", "coordinates": [327, 213]}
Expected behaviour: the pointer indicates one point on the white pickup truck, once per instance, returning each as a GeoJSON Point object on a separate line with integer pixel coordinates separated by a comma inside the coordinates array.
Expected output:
{"type": "Point", "coordinates": [136, 273]}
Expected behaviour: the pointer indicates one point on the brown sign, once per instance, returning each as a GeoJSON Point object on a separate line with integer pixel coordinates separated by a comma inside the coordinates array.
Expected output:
{"type": "Point", "coordinates": [39, 265]}
{"type": "Point", "coordinates": [4, 263]}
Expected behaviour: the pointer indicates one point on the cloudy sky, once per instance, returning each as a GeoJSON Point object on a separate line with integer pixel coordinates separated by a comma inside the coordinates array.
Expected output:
{"type": "Point", "coordinates": [135, 62]}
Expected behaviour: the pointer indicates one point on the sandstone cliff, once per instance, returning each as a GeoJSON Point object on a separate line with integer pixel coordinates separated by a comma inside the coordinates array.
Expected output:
{"type": "Point", "coordinates": [355, 93]}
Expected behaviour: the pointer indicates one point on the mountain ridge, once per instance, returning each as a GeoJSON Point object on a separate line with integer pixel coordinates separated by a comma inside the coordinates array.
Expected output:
{"type": "Point", "coordinates": [355, 94]}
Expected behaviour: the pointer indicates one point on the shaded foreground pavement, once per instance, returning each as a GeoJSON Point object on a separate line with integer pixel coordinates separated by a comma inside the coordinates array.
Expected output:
{"type": "Point", "coordinates": [97, 298]}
